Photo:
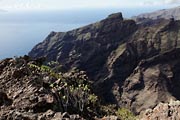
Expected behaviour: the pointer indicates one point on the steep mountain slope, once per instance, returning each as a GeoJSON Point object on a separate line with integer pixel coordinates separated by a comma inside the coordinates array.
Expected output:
{"type": "Point", "coordinates": [89, 48]}
{"type": "Point", "coordinates": [127, 62]}
{"type": "Point", "coordinates": [154, 80]}
{"type": "Point", "coordinates": [165, 14]}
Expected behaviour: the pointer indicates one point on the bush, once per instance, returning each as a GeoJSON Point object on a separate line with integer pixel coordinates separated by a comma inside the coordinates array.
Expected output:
{"type": "Point", "coordinates": [125, 114]}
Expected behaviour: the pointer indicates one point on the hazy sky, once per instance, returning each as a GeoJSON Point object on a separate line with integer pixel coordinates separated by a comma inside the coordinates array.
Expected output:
{"type": "Point", "coordinates": [80, 4]}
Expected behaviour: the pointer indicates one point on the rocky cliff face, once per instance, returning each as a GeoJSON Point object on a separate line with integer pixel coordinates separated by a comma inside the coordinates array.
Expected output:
{"type": "Point", "coordinates": [128, 63]}
{"type": "Point", "coordinates": [154, 80]}
{"type": "Point", "coordinates": [155, 77]}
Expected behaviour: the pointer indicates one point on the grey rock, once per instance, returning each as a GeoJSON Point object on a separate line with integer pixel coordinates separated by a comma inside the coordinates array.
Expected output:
{"type": "Point", "coordinates": [163, 111]}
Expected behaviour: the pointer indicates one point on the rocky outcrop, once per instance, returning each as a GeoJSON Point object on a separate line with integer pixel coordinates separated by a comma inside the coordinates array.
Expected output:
{"type": "Point", "coordinates": [22, 93]}
{"type": "Point", "coordinates": [163, 111]}
{"type": "Point", "coordinates": [22, 90]}
{"type": "Point", "coordinates": [29, 91]}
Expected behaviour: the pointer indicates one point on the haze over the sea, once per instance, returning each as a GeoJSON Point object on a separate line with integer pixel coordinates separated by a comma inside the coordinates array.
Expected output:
{"type": "Point", "coordinates": [24, 23]}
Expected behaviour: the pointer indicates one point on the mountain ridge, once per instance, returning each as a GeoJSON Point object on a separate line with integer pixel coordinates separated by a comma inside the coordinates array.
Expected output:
{"type": "Point", "coordinates": [159, 14]}
{"type": "Point", "coordinates": [127, 61]}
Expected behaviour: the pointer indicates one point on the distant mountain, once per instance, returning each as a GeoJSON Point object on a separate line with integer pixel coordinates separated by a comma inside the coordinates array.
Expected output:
{"type": "Point", "coordinates": [165, 13]}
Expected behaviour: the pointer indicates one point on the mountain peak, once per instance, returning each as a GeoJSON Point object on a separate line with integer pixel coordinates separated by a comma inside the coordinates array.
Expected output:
{"type": "Point", "coordinates": [115, 16]}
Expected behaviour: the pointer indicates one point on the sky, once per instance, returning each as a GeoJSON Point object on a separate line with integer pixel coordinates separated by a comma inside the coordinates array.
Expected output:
{"type": "Point", "coordinates": [11, 5]}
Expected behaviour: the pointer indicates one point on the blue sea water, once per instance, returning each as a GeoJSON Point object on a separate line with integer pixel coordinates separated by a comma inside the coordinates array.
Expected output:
{"type": "Point", "coordinates": [20, 31]}
{"type": "Point", "coordinates": [19, 39]}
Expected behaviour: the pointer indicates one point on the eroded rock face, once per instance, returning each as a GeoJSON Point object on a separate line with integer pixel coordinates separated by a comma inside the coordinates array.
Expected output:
{"type": "Point", "coordinates": [163, 111]}
{"type": "Point", "coordinates": [154, 80]}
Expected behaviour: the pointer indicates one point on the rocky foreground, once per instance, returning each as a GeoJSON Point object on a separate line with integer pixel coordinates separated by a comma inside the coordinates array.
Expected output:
{"type": "Point", "coordinates": [32, 91]}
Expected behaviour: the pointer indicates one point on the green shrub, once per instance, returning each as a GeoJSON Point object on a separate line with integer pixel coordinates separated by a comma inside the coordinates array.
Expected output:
{"type": "Point", "coordinates": [45, 68]}
{"type": "Point", "coordinates": [125, 114]}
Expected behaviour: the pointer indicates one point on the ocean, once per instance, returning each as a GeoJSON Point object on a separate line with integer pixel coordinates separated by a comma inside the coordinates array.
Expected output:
{"type": "Point", "coordinates": [18, 39]}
